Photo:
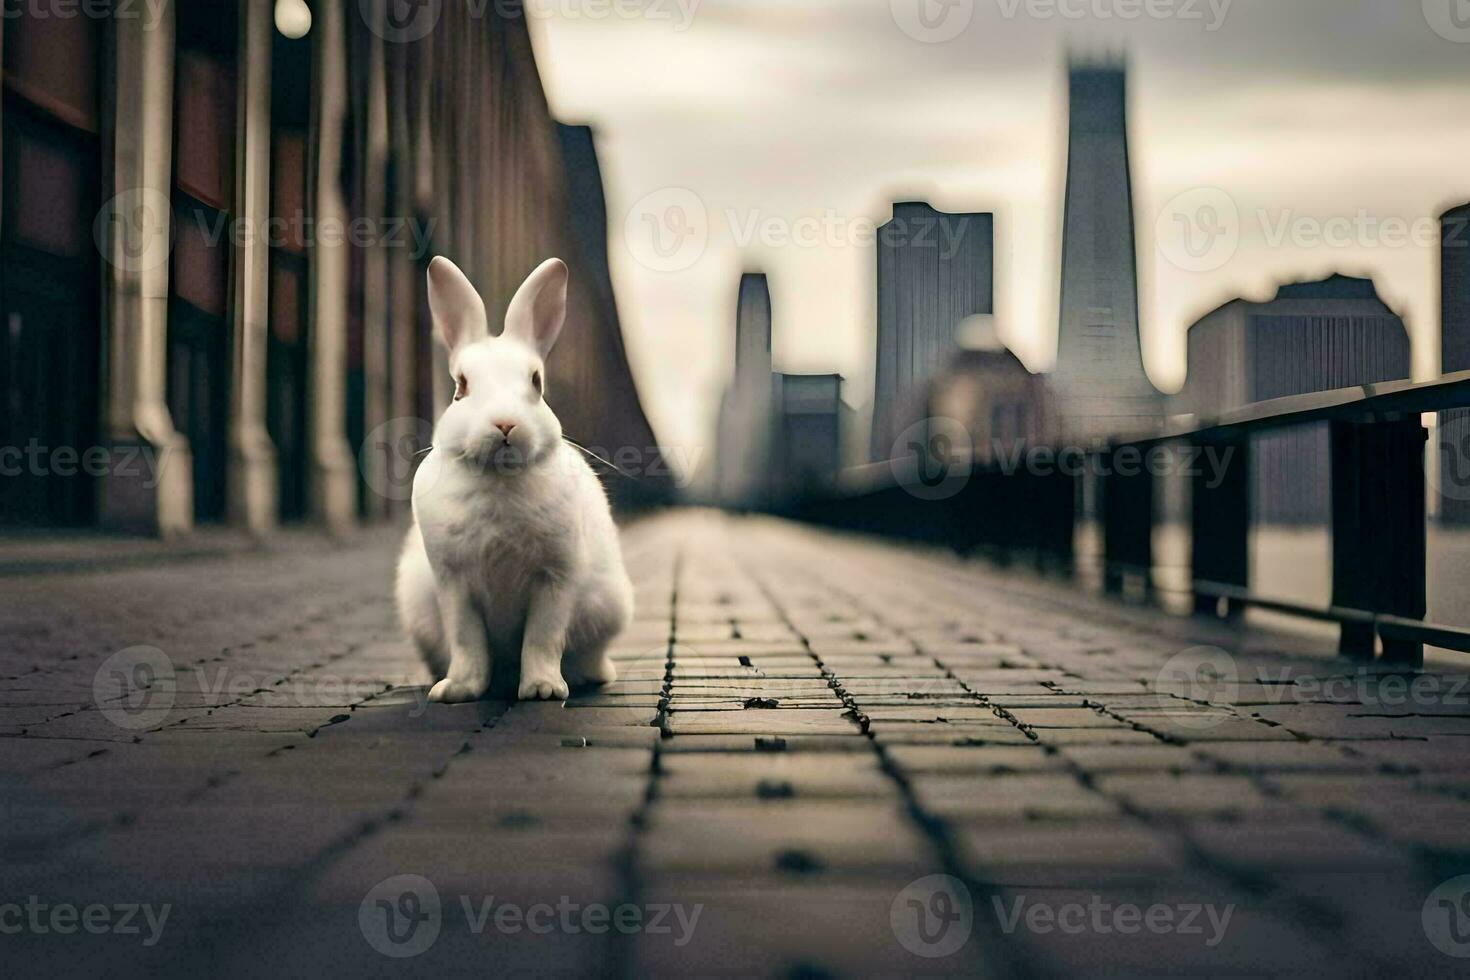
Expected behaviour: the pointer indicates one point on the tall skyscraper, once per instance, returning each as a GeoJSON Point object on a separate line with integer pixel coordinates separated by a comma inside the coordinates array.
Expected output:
{"type": "Point", "coordinates": [753, 330]}
{"type": "Point", "coordinates": [934, 270]}
{"type": "Point", "coordinates": [747, 418]}
{"type": "Point", "coordinates": [1099, 381]}
{"type": "Point", "coordinates": [1451, 466]}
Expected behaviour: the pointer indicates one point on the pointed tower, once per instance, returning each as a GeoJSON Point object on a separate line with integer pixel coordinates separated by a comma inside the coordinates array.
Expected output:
{"type": "Point", "coordinates": [1099, 381]}
{"type": "Point", "coordinates": [743, 473]}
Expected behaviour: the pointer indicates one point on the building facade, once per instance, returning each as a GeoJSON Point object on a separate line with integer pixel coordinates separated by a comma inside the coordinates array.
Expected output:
{"type": "Point", "coordinates": [934, 270]}
{"type": "Point", "coordinates": [809, 428]}
{"type": "Point", "coordinates": [1312, 336]}
{"type": "Point", "coordinates": [1451, 466]}
{"type": "Point", "coordinates": [1000, 402]}
{"type": "Point", "coordinates": [214, 240]}
{"type": "Point", "coordinates": [1099, 382]}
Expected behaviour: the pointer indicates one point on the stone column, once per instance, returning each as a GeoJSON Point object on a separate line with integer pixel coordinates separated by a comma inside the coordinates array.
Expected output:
{"type": "Point", "coordinates": [382, 434]}
{"type": "Point", "coordinates": [252, 483]}
{"type": "Point", "coordinates": [149, 482]}
{"type": "Point", "coordinates": [332, 487]}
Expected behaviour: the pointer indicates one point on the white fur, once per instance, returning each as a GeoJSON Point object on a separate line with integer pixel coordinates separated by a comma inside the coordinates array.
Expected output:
{"type": "Point", "coordinates": [513, 554]}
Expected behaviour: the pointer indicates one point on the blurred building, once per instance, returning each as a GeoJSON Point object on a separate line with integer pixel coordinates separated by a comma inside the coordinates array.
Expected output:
{"type": "Point", "coordinates": [1099, 381]}
{"type": "Point", "coordinates": [934, 270]}
{"type": "Point", "coordinates": [1452, 460]}
{"type": "Point", "coordinates": [213, 241]}
{"type": "Point", "coordinates": [1313, 336]}
{"type": "Point", "coordinates": [809, 426]}
{"type": "Point", "coordinates": [999, 401]}
{"type": "Point", "coordinates": [745, 456]}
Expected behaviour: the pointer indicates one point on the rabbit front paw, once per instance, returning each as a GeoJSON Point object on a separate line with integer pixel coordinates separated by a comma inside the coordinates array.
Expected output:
{"type": "Point", "coordinates": [451, 691]}
{"type": "Point", "coordinates": [542, 685]}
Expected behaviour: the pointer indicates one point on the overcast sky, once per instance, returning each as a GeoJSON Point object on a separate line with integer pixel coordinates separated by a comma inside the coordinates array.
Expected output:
{"type": "Point", "coordinates": [1309, 135]}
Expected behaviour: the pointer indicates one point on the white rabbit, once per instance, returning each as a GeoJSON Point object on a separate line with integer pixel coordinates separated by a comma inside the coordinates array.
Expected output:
{"type": "Point", "coordinates": [513, 550]}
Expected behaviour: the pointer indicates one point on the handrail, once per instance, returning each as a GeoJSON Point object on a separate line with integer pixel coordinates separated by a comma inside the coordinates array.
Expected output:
{"type": "Point", "coordinates": [1357, 403]}
{"type": "Point", "coordinates": [1378, 523]}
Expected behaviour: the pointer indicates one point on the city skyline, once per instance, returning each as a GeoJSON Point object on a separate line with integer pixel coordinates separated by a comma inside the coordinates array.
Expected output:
{"type": "Point", "coordinates": [1360, 100]}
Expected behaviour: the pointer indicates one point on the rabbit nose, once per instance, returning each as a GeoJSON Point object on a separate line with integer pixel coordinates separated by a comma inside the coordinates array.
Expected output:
{"type": "Point", "coordinates": [506, 428]}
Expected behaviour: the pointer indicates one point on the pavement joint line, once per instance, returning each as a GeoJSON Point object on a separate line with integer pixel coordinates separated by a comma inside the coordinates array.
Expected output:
{"type": "Point", "coordinates": [934, 829]}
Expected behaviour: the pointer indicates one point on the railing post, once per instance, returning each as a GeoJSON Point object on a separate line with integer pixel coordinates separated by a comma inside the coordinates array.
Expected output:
{"type": "Point", "coordinates": [1378, 533]}
{"type": "Point", "coordinates": [1128, 515]}
{"type": "Point", "coordinates": [1220, 518]}
{"type": "Point", "coordinates": [1058, 528]}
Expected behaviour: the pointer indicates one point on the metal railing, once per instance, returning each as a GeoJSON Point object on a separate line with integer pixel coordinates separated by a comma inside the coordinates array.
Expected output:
{"type": "Point", "coordinates": [1378, 511]}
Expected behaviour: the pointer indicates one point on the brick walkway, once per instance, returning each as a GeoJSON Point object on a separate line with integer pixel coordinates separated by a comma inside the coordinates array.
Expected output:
{"type": "Point", "coordinates": [827, 756]}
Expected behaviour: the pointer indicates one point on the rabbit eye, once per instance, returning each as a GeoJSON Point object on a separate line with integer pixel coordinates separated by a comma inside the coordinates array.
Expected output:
{"type": "Point", "coordinates": [536, 381]}
{"type": "Point", "coordinates": [461, 387]}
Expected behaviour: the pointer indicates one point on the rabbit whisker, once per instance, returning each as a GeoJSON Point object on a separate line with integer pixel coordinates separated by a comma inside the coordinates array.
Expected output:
{"type": "Point", "coordinates": [591, 454]}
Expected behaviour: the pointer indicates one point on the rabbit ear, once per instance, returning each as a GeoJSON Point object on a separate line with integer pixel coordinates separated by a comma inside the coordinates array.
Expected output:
{"type": "Point", "coordinates": [459, 313]}
{"type": "Point", "coordinates": [539, 308]}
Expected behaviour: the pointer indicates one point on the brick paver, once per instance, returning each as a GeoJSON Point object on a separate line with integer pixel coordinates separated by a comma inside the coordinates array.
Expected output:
{"type": "Point", "coordinates": [808, 730]}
